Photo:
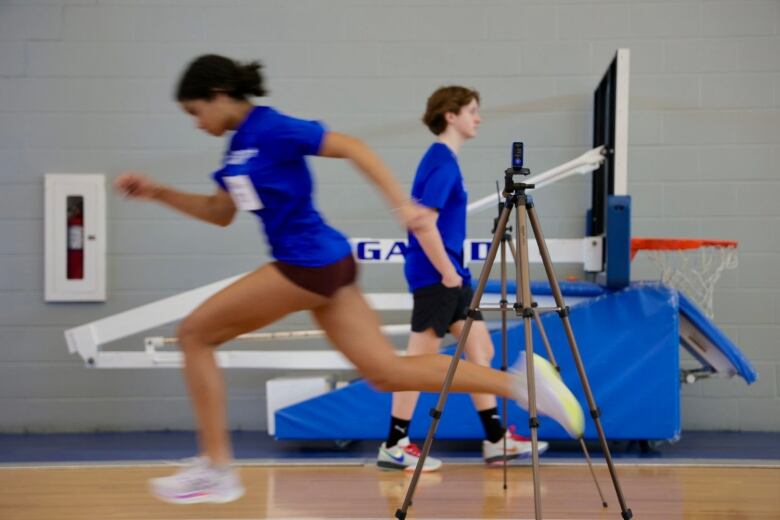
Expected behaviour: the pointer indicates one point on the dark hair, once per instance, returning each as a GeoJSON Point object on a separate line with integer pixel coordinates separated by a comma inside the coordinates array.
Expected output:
{"type": "Point", "coordinates": [209, 74]}
{"type": "Point", "coordinates": [443, 101]}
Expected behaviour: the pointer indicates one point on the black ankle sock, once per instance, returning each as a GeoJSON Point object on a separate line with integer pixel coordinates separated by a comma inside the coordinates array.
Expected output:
{"type": "Point", "coordinates": [399, 428]}
{"type": "Point", "coordinates": [491, 422]}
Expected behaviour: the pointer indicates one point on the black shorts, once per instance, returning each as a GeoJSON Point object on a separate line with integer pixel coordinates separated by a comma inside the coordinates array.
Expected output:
{"type": "Point", "coordinates": [437, 307]}
{"type": "Point", "coordinates": [324, 280]}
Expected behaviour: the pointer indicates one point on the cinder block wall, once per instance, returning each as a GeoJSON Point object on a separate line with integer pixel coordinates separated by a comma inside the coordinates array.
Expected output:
{"type": "Point", "coordinates": [86, 87]}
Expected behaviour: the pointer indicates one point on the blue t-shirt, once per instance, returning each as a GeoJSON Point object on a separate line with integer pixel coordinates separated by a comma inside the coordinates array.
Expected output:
{"type": "Point", "coordinates": [265, 172]}
{"type": "Point", "coordinates": [438, 184]}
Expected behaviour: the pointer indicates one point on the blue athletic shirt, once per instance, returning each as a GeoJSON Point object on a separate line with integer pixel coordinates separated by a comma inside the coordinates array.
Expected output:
{"type": "Point", "coordinates": [265, 172]}
{"type": "Point", "coordinates": [438, 184]}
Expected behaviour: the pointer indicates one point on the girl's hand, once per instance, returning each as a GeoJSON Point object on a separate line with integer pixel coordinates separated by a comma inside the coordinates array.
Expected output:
{"type": "Point", "coordinates": [135, 184]}
{"type": "Point", "coordinates": [412, 216]}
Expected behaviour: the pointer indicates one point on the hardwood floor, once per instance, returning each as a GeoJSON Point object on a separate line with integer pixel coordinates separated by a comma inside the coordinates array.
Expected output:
{"type": "Point", "coordinates": [356, 491]}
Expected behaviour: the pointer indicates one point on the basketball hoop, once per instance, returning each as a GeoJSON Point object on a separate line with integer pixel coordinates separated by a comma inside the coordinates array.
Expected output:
{"type": "Point", "coordinates": [690, 265]}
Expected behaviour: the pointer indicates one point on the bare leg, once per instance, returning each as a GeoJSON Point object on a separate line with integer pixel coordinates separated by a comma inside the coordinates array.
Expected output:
{"type": "Point", "coordinates": [419, 343]}
{"type": "Point", "coordinates": [479, 350]}
{"type": "Point", "coordinates": [256, 300]}
{"type": "Point", "coordinates": [353, 327]}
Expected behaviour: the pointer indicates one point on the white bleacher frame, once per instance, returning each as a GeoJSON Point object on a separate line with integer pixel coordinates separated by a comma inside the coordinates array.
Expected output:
{"type": "Point", "coordinates": [87, 340]}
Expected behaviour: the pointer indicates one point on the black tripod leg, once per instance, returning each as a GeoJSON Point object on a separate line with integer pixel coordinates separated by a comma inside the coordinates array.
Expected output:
{"type": "Point", "coordinates": [593, 473]}
{"type": "Point", "coordinates": [524, 295]}
{"type": "Point", "coordinates": [548, 347]}
{"type": "Point", "coordinates": [543, 334]}
{"type": "Point", "coordinates": [504, 354]}
{"type": "Point", "coordinates": [436, 412]}
{"type": "Point", "coordinates": [546, 341]}
{"type": "Point", "coordinates": [564, 313]}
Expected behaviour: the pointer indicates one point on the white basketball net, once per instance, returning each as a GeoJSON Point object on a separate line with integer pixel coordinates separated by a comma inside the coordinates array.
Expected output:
{"type": "Point", "coordinates": [695, 271]}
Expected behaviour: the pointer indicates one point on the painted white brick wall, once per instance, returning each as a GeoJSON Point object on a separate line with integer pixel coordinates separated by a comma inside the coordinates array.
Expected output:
{"type": "Point", "coordinates": [86, 86]}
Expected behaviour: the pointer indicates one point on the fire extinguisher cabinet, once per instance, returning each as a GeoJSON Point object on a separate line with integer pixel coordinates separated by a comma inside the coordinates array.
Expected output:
{"type": "Point", "coordinates": [75, 235]}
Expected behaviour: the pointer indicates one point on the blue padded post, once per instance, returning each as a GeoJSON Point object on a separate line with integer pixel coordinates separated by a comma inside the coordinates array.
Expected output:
{"type": "Point", "coordinates": [618, 246]}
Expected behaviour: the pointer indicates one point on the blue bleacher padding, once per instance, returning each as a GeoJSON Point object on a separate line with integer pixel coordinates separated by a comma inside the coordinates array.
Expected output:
{"type": "Point", "coordinates": [542, 288]}
{"type": "Point", "coordinates": [629, 343]}
{"type": "Point", "coordinates": [740, 363]}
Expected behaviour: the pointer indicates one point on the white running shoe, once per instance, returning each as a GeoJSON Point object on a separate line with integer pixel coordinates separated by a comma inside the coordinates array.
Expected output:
{"type": "Point", "coordinates": [517, 447]}
{"type": "Point", "coordinates": [553, 398]}
{"type": "Point", "coordinates": [198, 482]}
{"type": "Point", "coordinates": [404, 455]}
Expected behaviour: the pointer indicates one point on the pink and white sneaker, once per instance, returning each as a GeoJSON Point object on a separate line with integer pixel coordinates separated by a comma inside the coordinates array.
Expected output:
{"type": "Point", "coordinates": [198, 482]}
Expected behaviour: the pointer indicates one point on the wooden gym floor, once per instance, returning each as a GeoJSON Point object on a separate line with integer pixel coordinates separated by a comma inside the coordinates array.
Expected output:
{"type": "Point", "coordinates": [354, 490]}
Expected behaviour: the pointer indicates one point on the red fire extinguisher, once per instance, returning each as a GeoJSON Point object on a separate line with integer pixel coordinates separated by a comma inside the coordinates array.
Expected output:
{"type": "Point", "coordinates": [76, 245]}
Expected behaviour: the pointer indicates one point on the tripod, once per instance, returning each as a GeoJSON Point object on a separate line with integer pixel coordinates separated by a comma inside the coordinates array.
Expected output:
{"type": "Point", "coordinates": [506, 239]}
{"type": "Point", "coordinates": [516, 198]}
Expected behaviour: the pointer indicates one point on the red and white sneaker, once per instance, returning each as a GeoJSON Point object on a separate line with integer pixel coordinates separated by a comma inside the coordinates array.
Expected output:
{"type": "Point", "coordinates": [404, 455]}
{"type": "Point", "coordinates": [517, 447]}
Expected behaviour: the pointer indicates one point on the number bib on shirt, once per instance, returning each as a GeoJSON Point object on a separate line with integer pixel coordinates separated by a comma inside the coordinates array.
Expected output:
{"type": "Point", "coordinates": [243, 192]}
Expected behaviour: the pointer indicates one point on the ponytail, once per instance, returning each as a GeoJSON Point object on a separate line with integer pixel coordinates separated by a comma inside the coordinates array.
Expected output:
{"type": "Point", "coordinates": [210, 74]}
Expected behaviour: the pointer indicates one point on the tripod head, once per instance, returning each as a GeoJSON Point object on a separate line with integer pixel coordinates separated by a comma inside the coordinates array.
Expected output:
{"type": "Point", "coordinates": [508, 228]}
{"type": "Point", "coordinates": [510, 186]}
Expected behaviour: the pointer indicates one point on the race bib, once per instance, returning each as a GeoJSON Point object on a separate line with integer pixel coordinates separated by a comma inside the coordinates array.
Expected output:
{"type": "Point", "coordinates": [243, 192]}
